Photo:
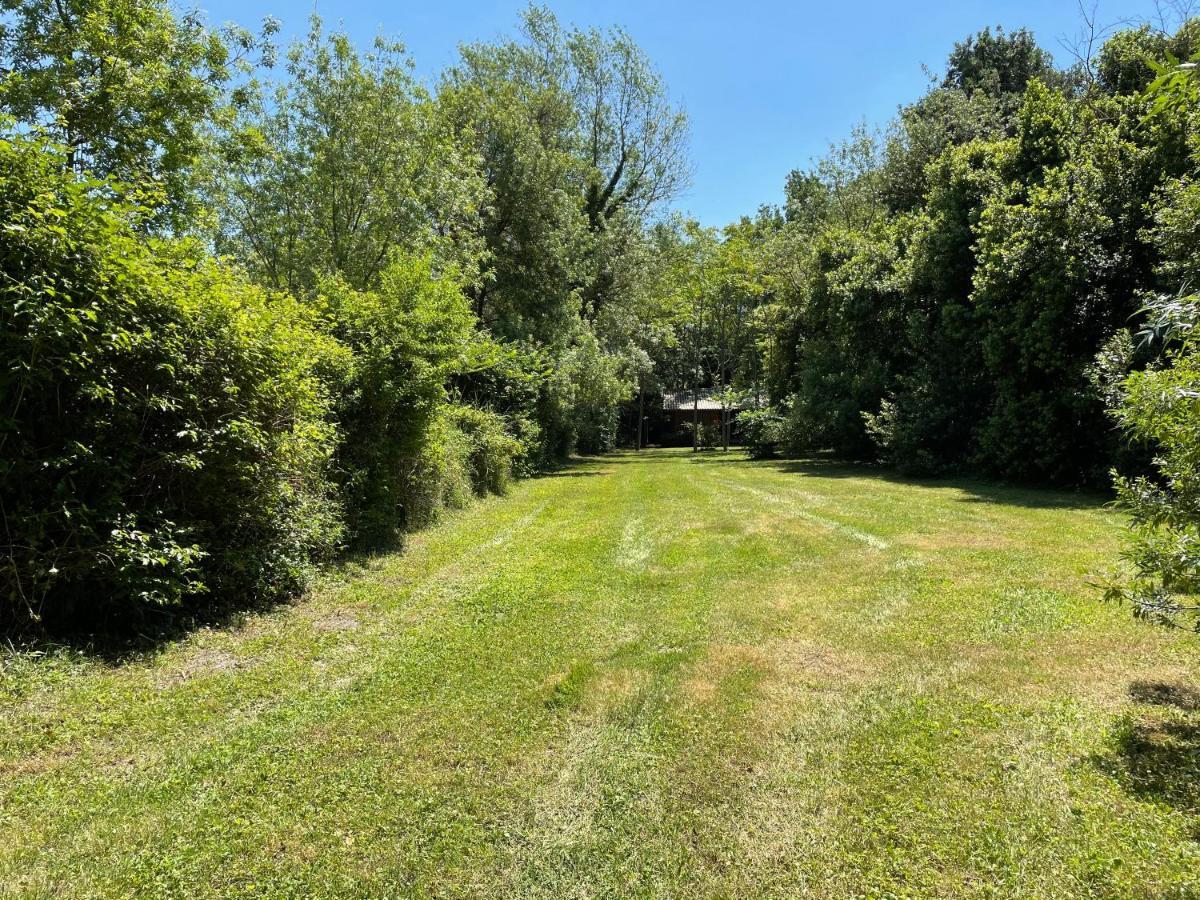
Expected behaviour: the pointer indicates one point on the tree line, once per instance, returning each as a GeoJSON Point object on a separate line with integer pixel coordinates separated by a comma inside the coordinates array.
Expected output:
{"type": "Point", "coordinates": [1000, 283]}
{"type": "Point", "coordinates": [261, 308]}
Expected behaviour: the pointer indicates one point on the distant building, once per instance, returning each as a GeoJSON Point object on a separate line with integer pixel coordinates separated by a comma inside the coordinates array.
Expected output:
{"type": "Point", "coordinates": [679, 407]}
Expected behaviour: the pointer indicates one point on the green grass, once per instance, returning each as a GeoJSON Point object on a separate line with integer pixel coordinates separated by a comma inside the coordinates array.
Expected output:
{"type": "Point", "coordinates": [651, 674]}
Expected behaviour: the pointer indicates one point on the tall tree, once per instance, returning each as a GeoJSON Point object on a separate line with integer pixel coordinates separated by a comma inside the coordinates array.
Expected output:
{"type": "Point", "coordinates": [607, 135]}
{"type": "Point", "coordinates": [349, 160]}
{"type": "Point", "coordinates": [127, 86]}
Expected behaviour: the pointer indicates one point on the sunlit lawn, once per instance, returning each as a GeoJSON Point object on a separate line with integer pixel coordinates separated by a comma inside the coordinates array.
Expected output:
{"type": "Point", "coordinates": [653, 674]}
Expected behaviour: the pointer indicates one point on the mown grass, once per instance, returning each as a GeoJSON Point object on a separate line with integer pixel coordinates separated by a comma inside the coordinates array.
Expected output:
{"type": "Point", "coordinates": [654, 674]}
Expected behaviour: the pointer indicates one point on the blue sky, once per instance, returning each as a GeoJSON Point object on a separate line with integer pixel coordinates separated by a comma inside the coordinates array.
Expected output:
{"type": "Point", "coordinates": [767, 83]}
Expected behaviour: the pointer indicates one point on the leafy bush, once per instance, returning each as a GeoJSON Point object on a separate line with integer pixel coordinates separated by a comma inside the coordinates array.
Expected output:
{"type": "Point", "coordinates": [165, 428]}
{"type": "Point", "coordinates": [709, 434]}
{"type": "Point", "coordinates": [514, 382]}
{"type": "Point", "coordinates": [438, 476]}
{"type": "Point", "coordinates": [762, 431]}
{"type": "Point", "coordinates": [407, 338]}
{"type": "Point", "coordinates": [466, 453]}
{"type": "Point", "coordinates": [1162, 405]}
{"type": "Point", "coordinates": [491, 451]}
{"type": "Point", "coordinates": [583, 398]}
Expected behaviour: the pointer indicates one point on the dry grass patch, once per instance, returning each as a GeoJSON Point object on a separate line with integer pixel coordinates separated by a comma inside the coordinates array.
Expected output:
{"type": "Point", "coordinates": [961, 539]}
{"type": "Point", "coordinates": [787, 674]}
{"type": "Point", "coordinates": [201, 663]}
{"type": "Point", "coordinates": [612, 690]}
{"type": "Point", "coordinates": [338, 621]}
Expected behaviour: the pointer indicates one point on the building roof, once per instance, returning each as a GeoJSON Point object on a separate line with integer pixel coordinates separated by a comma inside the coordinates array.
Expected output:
{"type": "Point", "coordinates": [682, 400]}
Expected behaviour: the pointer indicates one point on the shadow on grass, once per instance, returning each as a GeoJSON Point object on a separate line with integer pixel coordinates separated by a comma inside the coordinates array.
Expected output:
{"type": "Point", "coordinates": [1156, 754]}
{"type": "Point", "coordinates": [131, 636]}
{"type": "Point", "coordinates": [577, 467]}
{"type": "Point", "coordinates": [975, 490]}
{"type": "Point", "coordinates": [117, 635]}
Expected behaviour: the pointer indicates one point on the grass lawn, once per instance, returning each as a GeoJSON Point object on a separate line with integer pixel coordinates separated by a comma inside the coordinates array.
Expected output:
{"type": "Point", "coordinates": [652, 674]}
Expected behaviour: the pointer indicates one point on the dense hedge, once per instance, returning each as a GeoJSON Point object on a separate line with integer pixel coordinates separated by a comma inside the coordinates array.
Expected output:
{"type": "Point", "coordinates": [165, 427]}
{"type": "Point", "coordinates": [172, 433]}
{"type": "Point", "coordinates": [406, 337]}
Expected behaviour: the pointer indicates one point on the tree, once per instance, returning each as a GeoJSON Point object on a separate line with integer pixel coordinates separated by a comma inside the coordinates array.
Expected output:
{"type": "Point", "coordinates": [129, 88]}
{"type": "Point", "coordinates": [599, 101]}
{"type": "Point", "coordinates": [517, 118]}
{"type": "Point", "coordinates": [997, 63]}
{"type": "Point", "coordinates": [349, 160]}
{"type": "Point", "coordinates": [1061, 256]}
{"type": "Point", "coordinates": [936, 402]}
{"type": "Point", "coordinates": [409, 336]}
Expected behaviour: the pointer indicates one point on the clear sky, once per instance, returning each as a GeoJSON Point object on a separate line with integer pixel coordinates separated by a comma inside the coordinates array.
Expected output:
{"type": "Point", "coordinates": [767, 83]}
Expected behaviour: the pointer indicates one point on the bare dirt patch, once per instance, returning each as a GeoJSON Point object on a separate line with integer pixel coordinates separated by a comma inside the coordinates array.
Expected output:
{"type": "Point", "coordinates": [339, 621]}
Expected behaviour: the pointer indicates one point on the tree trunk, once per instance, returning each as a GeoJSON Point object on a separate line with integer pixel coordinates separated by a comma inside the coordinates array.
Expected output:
{"type": "Point", "coordinates": [641, 414]}
{"type": "Point", "coordinates": [695, 418]}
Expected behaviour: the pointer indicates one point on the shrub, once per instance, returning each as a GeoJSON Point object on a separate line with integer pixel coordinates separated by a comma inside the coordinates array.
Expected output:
{"type": "Point", "coordinates": [165, 429]}
{"type": "Point", "coordinates": [902, 433]}
{"type": "Point", "coordinates": [514, 381]}
{"type": "Point", "coordinates": [1162, 406]}
{"type": "Point", "coordinates": [437, 476]}
{"type": "Point", "coordinates": [762, 431]}
{"type": "Point", "coordinates": [465, 453]}
{"type": "Point", "coordinates": [709, 434]}
{"type": "Point", "coordinates": [407, 337]}
{"type": "Point", "coordinates": [490, 450]}
{"type": "Point", "coordinates": [584, 398]}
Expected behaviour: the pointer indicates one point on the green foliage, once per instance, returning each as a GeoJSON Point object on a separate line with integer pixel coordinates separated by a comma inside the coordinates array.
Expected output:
{"type": "Point", "coordinates": [1142, 58]}
{"type": "Point", "coordinates": [1060, 259]}
{"type": "Point", "coordinates": [348, 160]}
{"type": "Point", "coordinates": [465, 453]}
{"type": "Point", "coordinates": [703, 436]}
{"type": "Point", "coordinates": [997, 63]}
{"type": "Point", "coordinates": [1161, 405]}
{"type": "Point", "coordinates": [847, 350]}
{"type": "Point", "coordinates": [407, 337]}
{"type": "Point", "coordinates": [942, 306]}
{"type": "Point", "coordinates": [492, 452]}
{"type": "Point", "coordinates": [935, 401]}
{"type": "Point", "coordinates": [762, 432]}
{"type": "Point", "coordinates": [126, 86]}
{"type": "Point", "coordinates": [578, 143]}
{"type": "Point", "coordinates": [1174, 63]}
{"type": "Point", "coordinates": [585, 393]}
{"type": "Point", "coordinates": [165, 428]}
